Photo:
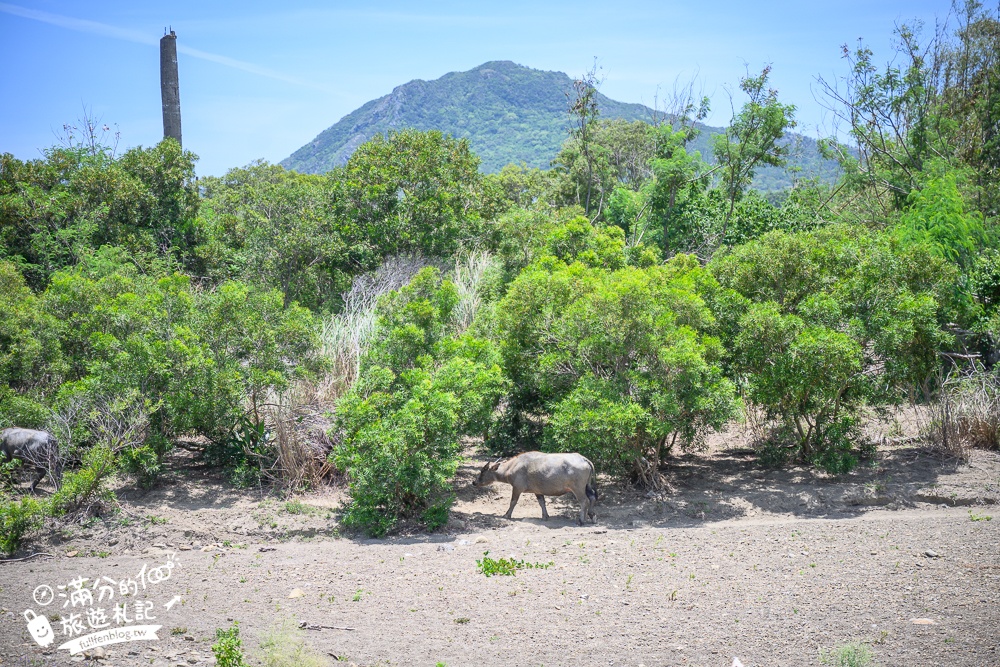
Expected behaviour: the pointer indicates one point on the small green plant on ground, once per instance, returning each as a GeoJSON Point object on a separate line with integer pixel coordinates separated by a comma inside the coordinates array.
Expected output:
{"type": "Point", "coordinates": [284, 645]}
{"type": "Point", "coordinates": [228, 648]}
{"type": "Point", "coordinates": [506, 566]}
{"type": "Point", "coordinates": [854, 654]}
{"type": "Point", "coordinates": [297, 507]}
{"type": "Point", "coordinates": [979, 517]}
{"type": "Point", "coordinates": [179, 631]}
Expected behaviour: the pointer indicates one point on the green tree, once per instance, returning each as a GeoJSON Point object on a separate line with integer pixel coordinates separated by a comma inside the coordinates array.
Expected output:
{"type": "Point", "coordinates": [752, 138]}
{"type": "Point", "coordinates": [408, 192]}
{"type": "Point", "coordinates": [937, 216]}
{"type": "Point", "coordinates": [938, 98]}
{"type": "Point", "coordinates": [273, 228]}
{"type": "Point", "coordinates": [680, 177]}
{"type": "Point", "coordinates": [583, 114]}
{"type": "Point", "coordinates": [81, 196]}
{"type": "Point", "coordinates": [255, 345]}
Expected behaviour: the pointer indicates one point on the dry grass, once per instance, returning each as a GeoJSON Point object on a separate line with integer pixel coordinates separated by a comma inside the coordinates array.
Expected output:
{"type": "Point", "coordinates": [468, 275]}
{"type": "Point", "coordinates": [346, 335]}
{"type": "Point", "coordinates": [966, 415]}
{"type": "Point", "coordinates": [285, 645]}
{"type": "Point", "coordinates": [299, 421]}
{"type": "Point", "coordinates": [299, 417]}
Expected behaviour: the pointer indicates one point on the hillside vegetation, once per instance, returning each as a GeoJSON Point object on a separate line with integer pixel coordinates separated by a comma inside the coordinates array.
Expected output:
{"type": "Point", "coordinates": [368, 322]}
{"type": "Point", "coordinates": [510, 114]}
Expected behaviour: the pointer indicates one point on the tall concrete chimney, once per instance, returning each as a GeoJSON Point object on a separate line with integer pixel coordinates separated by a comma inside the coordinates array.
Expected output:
{"type": "Point", "coordinates": [170, 89]}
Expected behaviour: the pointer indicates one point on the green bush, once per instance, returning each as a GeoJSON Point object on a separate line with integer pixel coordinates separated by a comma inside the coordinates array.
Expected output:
{"type": "Point", "coordinates": [228, 647]}
{"type": "Point", "coordinates": [199, 359]}
{"type": "Point", "coordinates": [144, 463]}
{"type": "Point", "coordinates": [418, 392]}
{"type": "Point", "coordinates": [86, 486]}
{"type": "Point", "coordinates": [81, 196]}
{"type": "Point", "coordinates": [820, 324]}
{"type": "Point", "coordinates": [17, 519]}
{"type": "Point", "coordinates": [621, 363]}
{"type": "Point", "coordinates": [597, 421]}
{"type": "Point", "coordinates": [854, 654]}
{"type": "Point", "coordinates": [245, 454]}
{"type": "Point", "coordinates": [24, 411]}
{"type": "Point", "coordinates": [400, 462]}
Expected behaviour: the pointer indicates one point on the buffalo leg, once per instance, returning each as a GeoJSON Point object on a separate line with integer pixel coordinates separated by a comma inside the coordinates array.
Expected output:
{"type": "Point", "coordinates": [513, 501]}
{"type": "Point", "coordinates": [41, 474]}
{"type": "Point", "coordinates": [541, 501]}
{"type": "Point", "coordinates": [584, 501]}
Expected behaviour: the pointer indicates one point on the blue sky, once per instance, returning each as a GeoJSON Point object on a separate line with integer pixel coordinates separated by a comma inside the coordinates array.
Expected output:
{"type": "Point", "coordinates": [260, 79]}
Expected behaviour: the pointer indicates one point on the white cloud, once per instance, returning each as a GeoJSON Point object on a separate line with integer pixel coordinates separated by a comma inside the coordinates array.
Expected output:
{"type": "Point", "coordinates": [105, 30]}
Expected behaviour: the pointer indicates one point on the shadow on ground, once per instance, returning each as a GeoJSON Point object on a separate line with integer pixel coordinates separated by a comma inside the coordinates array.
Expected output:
{"type": "Point", "coordinates": [731, 484]}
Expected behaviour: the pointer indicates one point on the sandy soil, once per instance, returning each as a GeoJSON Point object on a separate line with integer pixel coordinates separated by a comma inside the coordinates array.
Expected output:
{"type": "Point", "coordinates": [736, 561]}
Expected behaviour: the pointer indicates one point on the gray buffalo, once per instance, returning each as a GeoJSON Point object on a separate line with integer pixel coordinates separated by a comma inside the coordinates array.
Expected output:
{"type": "Point", "coordinates": [35, 447]}
{"type": "Point", "coordinates": [544, 475]}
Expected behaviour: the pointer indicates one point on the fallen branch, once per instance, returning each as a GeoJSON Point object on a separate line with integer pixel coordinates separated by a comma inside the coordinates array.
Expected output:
{"type": "Point", "coordinates": [312, 626]}
{"type": "Point", "coordinates": [15, 560]}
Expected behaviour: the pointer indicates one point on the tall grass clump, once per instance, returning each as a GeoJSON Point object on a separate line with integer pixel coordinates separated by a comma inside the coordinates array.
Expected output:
{"type": "Point", "coordinates": [346, 335]}
{"type": "Point", "coordinates": [469, 277]}
{"type": "Point", "coordinates": [298, 423]}
{"type": "Point", "coordinates": [289, 445]}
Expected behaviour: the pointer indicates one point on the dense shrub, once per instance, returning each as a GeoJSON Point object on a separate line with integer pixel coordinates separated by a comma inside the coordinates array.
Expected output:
{"type": "Point", "coordinates": [272, 228]}
{"type": "Point", "coordinates": [83, 491]}
{"type": "Point", "coordinates": [629, 349]}
{"type": "Point", "coordinates": [407, 192]}
{"type": "Point", "coordinates": [18, 518]}
{"type": "Point", "coordinates": [419, 391]}
{"type": "Point", "coordinates": [54, 211]}
{"type": "Point", "coordinates": [822, 323]}
{"type": "Point", "coordinates": [116, 341]}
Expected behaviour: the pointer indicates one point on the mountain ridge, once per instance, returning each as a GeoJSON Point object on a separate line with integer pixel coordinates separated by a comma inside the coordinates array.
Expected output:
{"type": "Point", "coordinates": [509, 112]}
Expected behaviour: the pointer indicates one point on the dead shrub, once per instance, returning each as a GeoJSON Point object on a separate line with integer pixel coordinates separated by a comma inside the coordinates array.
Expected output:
{"type": "Point", "coordinates": [299, 425]}
{"type": "Point", "coordinates": [966, 414]}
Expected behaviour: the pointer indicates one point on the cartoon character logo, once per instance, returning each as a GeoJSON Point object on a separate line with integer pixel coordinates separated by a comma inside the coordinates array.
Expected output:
{"type": "Point", "coordinates": [39, 628]}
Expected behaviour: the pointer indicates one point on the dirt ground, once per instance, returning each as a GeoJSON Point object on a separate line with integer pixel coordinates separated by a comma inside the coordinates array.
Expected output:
{"type": "Point", "coordinates": [736, 561]}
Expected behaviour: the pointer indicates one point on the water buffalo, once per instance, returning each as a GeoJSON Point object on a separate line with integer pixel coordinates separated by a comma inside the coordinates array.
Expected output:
{"type": "Point", "coordinates": [544, 475]}
{"type": "Point", "coordinates": [37, 448]}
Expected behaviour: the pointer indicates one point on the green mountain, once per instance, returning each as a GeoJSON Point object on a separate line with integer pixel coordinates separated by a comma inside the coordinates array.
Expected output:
{"type": "Point", "coordinates": [509, 113]}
